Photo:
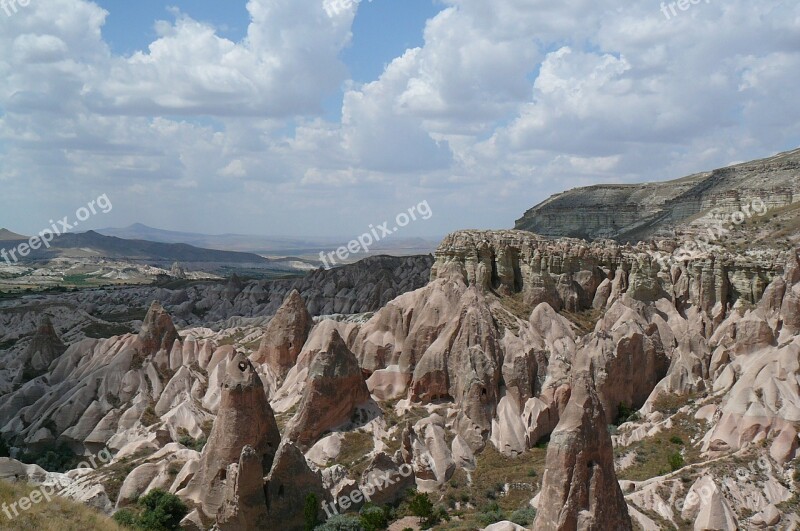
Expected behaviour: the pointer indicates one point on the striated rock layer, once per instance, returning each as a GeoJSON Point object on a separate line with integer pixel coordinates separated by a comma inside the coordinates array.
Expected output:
{"type": "Point", "coordinates": [633, 212]}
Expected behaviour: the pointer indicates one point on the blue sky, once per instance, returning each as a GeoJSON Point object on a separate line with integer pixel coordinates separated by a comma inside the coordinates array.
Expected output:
{"type": "Point", "coordinates": [321, 117]}
{"type": "Point", "coordinates": [382, 30]}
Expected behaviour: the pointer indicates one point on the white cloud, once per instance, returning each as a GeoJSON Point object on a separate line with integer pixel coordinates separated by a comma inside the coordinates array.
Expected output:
{"type": "Point", "coordinates": [506, 102]}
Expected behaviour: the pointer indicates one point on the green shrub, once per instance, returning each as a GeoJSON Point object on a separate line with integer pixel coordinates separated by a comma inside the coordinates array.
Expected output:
{"type": "Point", "coordinates": [524, 516]}
{"type": "Point", "coordinates": [311, 512]}
{"type": "Point", "coordinates": [4, 449]}
{"type": "Point", "coordinates": [422, 507]}
{"type": "Point", "coordinates": [491, 514]}
{"type": "Point", "coordinates": [193, 444]}
{"type": "Point", "coordinates": [341, 522]}
{"type": "Point", "coordinates": [51, 457]}
{"type": "Point", "coordinates": [625, 414]}
{"type": "Point", "coordinates": [676, 440]}
{"type": "Point", "coordinates": [676, 461]}
{"type": "Point", "coordinates": [157, 510]}
{"type": "Point", "coordinates": [373, 518]}
{"type": "Point", "coordinates": [125, 518]}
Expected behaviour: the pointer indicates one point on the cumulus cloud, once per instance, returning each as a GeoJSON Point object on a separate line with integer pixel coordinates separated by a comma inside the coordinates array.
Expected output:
{"type": "Point", "coordinates": [504, 103]}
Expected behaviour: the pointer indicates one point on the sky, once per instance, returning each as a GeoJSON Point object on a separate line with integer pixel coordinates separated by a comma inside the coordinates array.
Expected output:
{"type": "Point", "coordinates": [323, 117]}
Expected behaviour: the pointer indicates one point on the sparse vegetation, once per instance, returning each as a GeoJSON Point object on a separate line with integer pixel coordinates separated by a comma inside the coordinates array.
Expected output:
{"type": "Point", "coordinates": [625, 414]}
{"type": "Point", "coordinates": [190, 442]}
{"type": "Point", "coordinates": [524, 516]}
{"type": "Point", "coordinates": [653, 455]}
{"type": "Point", "coordinates": [374, 518]}
{"type": "Point", "coordinates": [157, 510]}
{"type": "Point", "coordinates": [60, 514]}
{"type": "Point", "coordinates": [311, 512]}
{"type": "Point", "coordinates": [423, 508]}
{"type": "Point", "coordinates": [149, 416]}
{"type": "Point", "coordinates": [355, 447]}
{"type": "Point", "coordinates": [676, 461]}
{"type": "Point", "coordinates": [584, 321]}
{"type": "Point", "coordinates": [51, 457]}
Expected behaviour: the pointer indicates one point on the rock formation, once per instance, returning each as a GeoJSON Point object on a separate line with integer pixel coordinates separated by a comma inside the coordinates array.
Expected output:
{"type": "Point", "coordinates": [335, 387]}
{"type": "Point", "coordinates": [285, 336]}
{"type": "Point", "coordinates": [157, 332]}
{"type": "Point", "coordinates": [633, 212]}
{"type": "Point", "coordinates": [244, 418]}
{"type": "Point", "coordinates": [44, 348]}
{"type": "Point", "coordinates": [579, 487]}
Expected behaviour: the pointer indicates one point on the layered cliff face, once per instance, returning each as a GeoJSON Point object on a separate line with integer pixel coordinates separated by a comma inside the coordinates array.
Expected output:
{"type": "Point", "coordinates": [639, 211]}
{"type": "Point", "coordinates": [575, 275]}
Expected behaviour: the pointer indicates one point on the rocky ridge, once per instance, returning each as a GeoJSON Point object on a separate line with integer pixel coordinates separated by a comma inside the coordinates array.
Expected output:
{"type": "Point", "coordinates": [634, 212]}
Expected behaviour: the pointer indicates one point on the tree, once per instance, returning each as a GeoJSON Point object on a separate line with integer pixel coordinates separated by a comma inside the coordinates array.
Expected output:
{"type": "Point", "coordinates": [373, 518]}
{"type": "Point", "coordinates": [311, 512]}
{"type": "Point", "coordinates": [341, 522]}
{"type": "Point", "coordinates": [157, 510]}
{"type": "Point", "coordinates": [422, 507]}
{"type": "Point", "coordinates": [676, 461]}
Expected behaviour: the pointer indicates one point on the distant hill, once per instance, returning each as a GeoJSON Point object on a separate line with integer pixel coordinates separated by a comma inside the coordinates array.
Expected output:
{"type": "Point", "coordinates": [266, 245]}
{"type": "Point", "coordinates": [224, 242]}
{"type": "Point", "coordinates": [8, 236]}
{"type": "Point", "coordinates": [634, 212]}
{"type": "Point", "coordinates": [93, 244]}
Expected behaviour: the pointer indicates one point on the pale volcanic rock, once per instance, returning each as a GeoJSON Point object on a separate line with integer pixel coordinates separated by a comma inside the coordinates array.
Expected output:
{"type": "Point", "coordinates": [463, 364]}
{"type": "Point", "coordinates": [245, 505]}
{"type": "Point", "coordinates": [44, 348]}
{"type": "Point", "coordinates": [244, 418]}
{"type": "Point", "coordinates": [399, 334]}
{"type": "Point", "coordinates": [425, 447]}
{"type": "Point", "coordinates": [288, 484]}
{"type": "Point", "coordinates": [388, 480]}
{"type": "Point", "coordinates": [632, 212]}
{"type": "Point", "coordinates": [579, 487]}
{"type": "Point", "coordinates": [334, 389]}
{"type": "Point", "coordinates": [627, 354]}
{"type": "Point", "coordinates": [710, 511]}
{"type": "Point", "coordinates": [158, 331]}
{"type": "Point", "coordinates": [505, 525]}
{"type": "Point", "coordinates": [285, 336]}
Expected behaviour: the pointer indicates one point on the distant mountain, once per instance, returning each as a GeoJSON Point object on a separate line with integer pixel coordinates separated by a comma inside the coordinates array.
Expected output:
{"type": "Point", "coordinates": [634, 212]}
{"type": "Point", "coordinates": [93, 244]}
{"type": "Point", "coordinates": [266, 245]}
{"type": "Point", "coordinates": [225, 242]}
{"type": "Point", "coordinates": [8, 236]}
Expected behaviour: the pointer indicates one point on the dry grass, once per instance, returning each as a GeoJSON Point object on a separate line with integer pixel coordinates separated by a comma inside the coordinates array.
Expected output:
{"type": "Point", "coordinates": [494, 470]}
{"type": "Point", "coordinates": [59, 514]}
{"type": "Point", "coordinates": [353, 456]}
{"type": "Point", "coordinates": [653, 453]}
{"type": "Point", "coordinates": [584, 321]}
